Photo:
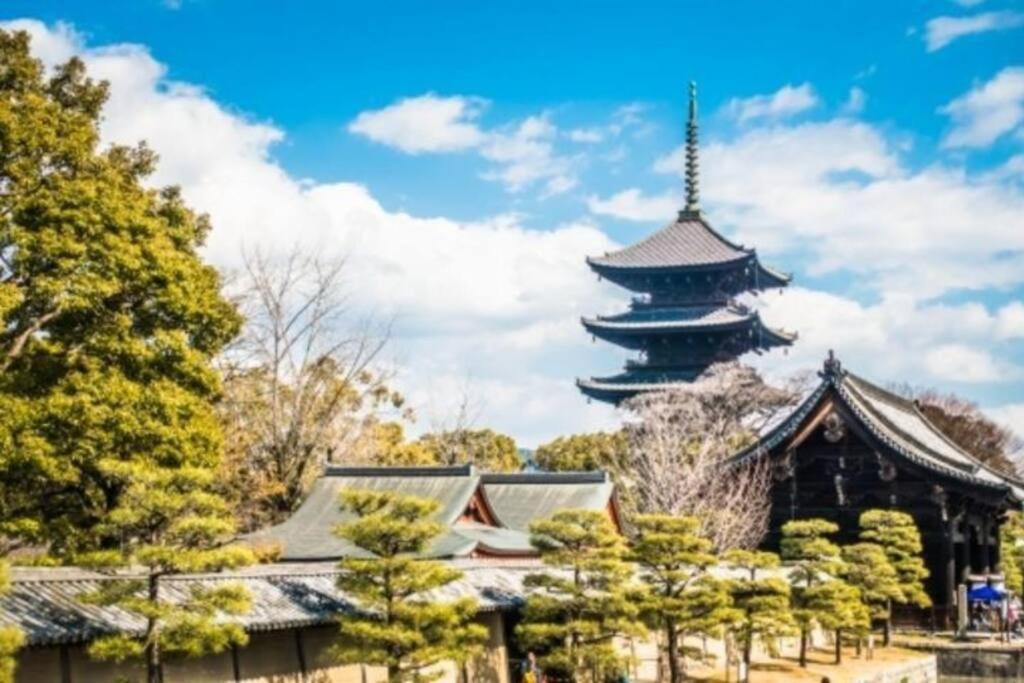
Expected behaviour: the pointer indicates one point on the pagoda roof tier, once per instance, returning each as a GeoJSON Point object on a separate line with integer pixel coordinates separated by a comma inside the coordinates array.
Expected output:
{"type": "Point", "coordinates": [689, 243]}
{"type": "Point", "coordinates": [639, 323]}
{"type": "Point", "coordinates": [630, 383]}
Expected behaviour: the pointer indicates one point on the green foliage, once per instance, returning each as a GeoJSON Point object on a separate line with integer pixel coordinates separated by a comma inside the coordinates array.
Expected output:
{"type": "Point", "coordinates": [819, 596]}
{"type": "Point", "coordinates": [576, 610]}
{"type": "Point", "coordinates": [682, 598]}
{"type": "Point", "coordinates": [1011, 540]}
{"type": "Point", "coordinates": [485, 448]}
{"type": "Point", "coordinates": [608, 451]}
{"type": "Point", "coordinates": [583, 452]}
{"type": "Point", "coordinates": [170, 523]}
{"type": "Point", "coordinates": [897, 533]}
{"type": "Point", "coordinates": [108, 317]}
{"type": "Point", "coordinates": [11, 638]}
{"type": "Point", "coordinates": [398, 625]}
{"type": "Point", "coordinates": [391, 449]}
{"type": "Point", "coordinates": [868, 568]}
{"type": "Point", "coordinates": [762, 602]}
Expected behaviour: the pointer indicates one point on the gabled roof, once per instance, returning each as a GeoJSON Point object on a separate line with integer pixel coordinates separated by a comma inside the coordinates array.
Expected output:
{"type": "Point", "coordinates": [897, 423]}
{"type": "Point", "coordinates": [309, 533]}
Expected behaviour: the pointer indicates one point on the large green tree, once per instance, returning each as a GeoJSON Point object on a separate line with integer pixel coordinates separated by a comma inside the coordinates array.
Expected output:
{"type": "Point", "coordinates": [897, 534]}
{"type": "Point", "coordinates": [485, 448]}
{"type": "Point", "coordinates": [1011, 551]}
{"type": "Point", "coordinates": [398, 625]}
{"type": "Point", "coordinates": [683, 598]}
{"type": "Point", "coordinates": [108, 316]}
{"type": "Point", "coordinates": [170, 522]}
{"type": "Point", "coordinates": [584, 601]}
{"type": "Point", "coordinates": [583, 452]}
{"type": "Point", "coordinates": [762, 601]}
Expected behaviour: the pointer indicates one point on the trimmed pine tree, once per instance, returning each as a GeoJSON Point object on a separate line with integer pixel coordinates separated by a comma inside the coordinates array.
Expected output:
{"type": "Point", "coordinates": [585, 600]}
{"type": "Point", "coordinates": [763, 602]}
{"type": "Point", "coordinates": [899, 537]}
{"type": "Point", "coordinates": [682, 598]}
{"type": "Point", "coordinates": [398, 624]}
{"type": "Point", "coordinates": [170, 522]}
{"type": "Point", "coordinates": [867, 567]}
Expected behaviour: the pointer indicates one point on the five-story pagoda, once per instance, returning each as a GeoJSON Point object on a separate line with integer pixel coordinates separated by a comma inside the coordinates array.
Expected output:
{"type": "Point", "coordinates": [685, 315]}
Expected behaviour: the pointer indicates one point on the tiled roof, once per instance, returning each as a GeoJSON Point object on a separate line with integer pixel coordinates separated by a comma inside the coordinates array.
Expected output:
{"type": "Point", "coordinates": [309, 533]}
{"type": "Point", "coordinates": [45, 603]}
{"type": "Point", "coordinates": [689, 241]}
{"type": "Point", "coordinates": [896, 422]}
{"type": "Point", "coordinates": [672, 318]}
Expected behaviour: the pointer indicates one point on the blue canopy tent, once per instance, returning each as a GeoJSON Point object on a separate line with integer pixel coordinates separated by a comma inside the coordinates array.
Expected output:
{"type": "Point", "coordinates": [984, 594]}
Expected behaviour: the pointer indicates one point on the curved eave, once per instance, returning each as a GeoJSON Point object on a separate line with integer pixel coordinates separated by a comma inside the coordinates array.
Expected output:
{"type": "Point", "coordinates": [880, 430]}
{"type": "Point", "coordinates": [615, 392]}
{"type": "Point", "coordinates": [602, 266]}
{"type": "Point", "coordinates": [769, 278]}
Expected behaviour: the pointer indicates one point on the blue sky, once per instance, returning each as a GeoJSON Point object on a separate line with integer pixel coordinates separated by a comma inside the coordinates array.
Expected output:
{"type": "Point", "coordinates": [467, 156]}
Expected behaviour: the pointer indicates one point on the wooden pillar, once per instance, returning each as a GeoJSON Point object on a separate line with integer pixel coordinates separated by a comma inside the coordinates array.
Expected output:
{"type": "Point", "coordinates": [65, 665]}
{"type": "Point", "coordinates": [965, 550]}
{"type": "Point", "coordinates": [301, 652]}
{"type": "Point", "coordinates": [986, 545]}
{"type": "Point", "coordinates": [949, 563]}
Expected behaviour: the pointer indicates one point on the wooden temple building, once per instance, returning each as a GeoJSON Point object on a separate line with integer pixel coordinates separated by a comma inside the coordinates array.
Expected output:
{"type": "Point", "coordinates": [852, 446]}
{"type": "Point", "coordinates": [685, 315]}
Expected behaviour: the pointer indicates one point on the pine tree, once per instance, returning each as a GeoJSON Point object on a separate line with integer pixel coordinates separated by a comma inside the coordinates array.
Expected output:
{"type": "Point", "coordinates": [867, 567]}
{"type": "Point", "coordinates": [762, 602]}
{"type": "Point", "coordinates": [897, 533]}
{"type": "Point", "coordinates": [1011, 550]}
{"type": "Point", "coordinates": [837, 607]}
{"type": "Point", "coordinates": [586, 601]}
{"type": "Point", "coordinates": [109, 319]}
{"type": "Point", "coordinates": [683, 599]}
{"type": "Point", "coordinates": [398, 625]}
{"type": "Point", "coordinates": [169, 522]}
{"type": "Point", "coordinates": [815, 562]}
{"type": "Point", "coordinates": [11, 638]}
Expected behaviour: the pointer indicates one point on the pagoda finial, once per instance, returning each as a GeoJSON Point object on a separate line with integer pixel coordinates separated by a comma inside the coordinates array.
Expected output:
{"type": "Point", "coordinates": [692, 165]}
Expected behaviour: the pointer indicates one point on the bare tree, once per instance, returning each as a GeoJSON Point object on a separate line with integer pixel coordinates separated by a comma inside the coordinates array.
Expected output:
{"type": "Point", "coordinates": [302, 383]}
{"type": "Point", "coordinates": [680, 443]}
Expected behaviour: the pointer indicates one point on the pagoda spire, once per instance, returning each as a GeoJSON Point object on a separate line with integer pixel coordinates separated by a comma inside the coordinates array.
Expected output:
{"type": "Point", "coordinates": [692, 164]}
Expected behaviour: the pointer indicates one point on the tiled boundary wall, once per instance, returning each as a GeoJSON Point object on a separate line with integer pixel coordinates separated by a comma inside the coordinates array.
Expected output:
{"type": "Point", "coordinates": [285, 656]}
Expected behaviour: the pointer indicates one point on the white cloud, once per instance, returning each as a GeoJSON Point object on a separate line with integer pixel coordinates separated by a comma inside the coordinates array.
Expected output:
{"type": "Point", "coordinates": [634, 205]}
{"type": "Point", "coordinates": [787, 101]}
{"type": "Point", "coordinates": [958, 363]}
{"type": "Point", "coordinates": [1010, 415]}
{"type": "Point", "coordinates": [988, 111]}
{"type": "Point", "coordinates": [941, 31]}
{"type": "Point", "coordinates": [586, 135]}
{"type": "Point", "coordinates": [855, 102]}
{"type": "Point", "coordinates": [837, 195]}
{"type": "Point", "coordinates": [525, 154]}
{"type": "Point", "coordinates": [427, 123]}
{"type": "Point", "coordinates": [897, 339]}
{"type": "Point", "coordinates": [489, 299]}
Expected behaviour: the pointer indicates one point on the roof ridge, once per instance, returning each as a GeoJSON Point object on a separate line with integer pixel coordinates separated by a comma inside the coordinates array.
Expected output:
{"type": "Point", "coordinates": [402, 471]}
{"type": "Point", "coordinates": [574, 477]}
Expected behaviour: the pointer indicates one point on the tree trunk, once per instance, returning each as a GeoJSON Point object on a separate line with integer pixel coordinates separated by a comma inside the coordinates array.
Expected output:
{"type": "Point", "coordinates": [675, 671]}
{"type": "Point", "coordinates": [803, 648]}
{"type": "Point", "coordinates": [839, 646]}
{"type": "Point", "coordinates": [154, 674]}
{"type": "Point", "coordinates": [887, 632]}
